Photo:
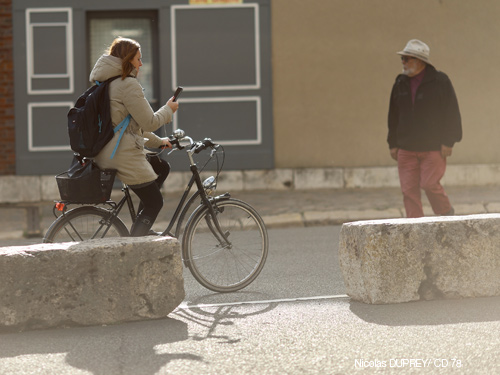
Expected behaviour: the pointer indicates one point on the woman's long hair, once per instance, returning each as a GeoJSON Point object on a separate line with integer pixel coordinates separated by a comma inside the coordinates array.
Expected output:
{"type": "Point", "coordinates": [125, 49]}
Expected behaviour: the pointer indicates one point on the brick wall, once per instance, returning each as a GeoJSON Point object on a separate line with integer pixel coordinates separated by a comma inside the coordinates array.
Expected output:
{"type": "Point", "coordinates": [7, 129]}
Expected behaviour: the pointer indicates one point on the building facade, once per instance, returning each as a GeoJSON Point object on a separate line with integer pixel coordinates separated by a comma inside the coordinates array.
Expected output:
{"type": "Point", "coordinates": [285, 83]}
{"type": "Point", "coordinates": [219, 53]}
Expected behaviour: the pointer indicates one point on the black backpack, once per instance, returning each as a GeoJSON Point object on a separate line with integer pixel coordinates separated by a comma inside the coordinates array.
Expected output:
{"type": "Point", "coordinates": [89, 121]}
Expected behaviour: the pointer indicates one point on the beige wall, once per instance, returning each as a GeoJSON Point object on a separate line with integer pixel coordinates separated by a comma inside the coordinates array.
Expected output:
{"type": "Point", "coordinates": [334, 63]}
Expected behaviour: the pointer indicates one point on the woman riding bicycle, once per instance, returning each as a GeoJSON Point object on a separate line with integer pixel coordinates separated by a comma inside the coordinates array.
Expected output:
{"type": "Point", "coordinates": [142, 172]}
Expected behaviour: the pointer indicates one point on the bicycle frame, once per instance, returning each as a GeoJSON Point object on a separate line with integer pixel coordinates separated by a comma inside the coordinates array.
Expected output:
{"type": "Point", "coordinates": [182, 207]}
{"type": "Point", "coordinates": [196, 179]}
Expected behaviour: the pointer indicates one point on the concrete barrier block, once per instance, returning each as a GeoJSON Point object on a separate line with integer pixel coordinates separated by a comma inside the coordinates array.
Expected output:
{"type": "Point", "coordinates": [472, 174]}
{"type": "Point", "coordinates": [16, 189]}
{"type": "Point", "coordinates": [227, 181]}
{"type": "Point", "coordinates": [274, 179]}
{"type": "Point", "coordinates": [402, 260]}
{"type": "Point", "coordinates": [49, 189]}
{"type": "Point", "coordinates": [94, 282]}
{"type": "Point", "coordinates": [375, 177]}
{"type": "Point", "coordinates": [319, 178]}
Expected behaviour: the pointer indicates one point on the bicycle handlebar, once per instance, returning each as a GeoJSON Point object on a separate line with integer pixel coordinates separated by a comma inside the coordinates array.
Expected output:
{"type": "Point", "coordinates": [200, 146]}
{"type": "Point", "coordinates": [194, 147]}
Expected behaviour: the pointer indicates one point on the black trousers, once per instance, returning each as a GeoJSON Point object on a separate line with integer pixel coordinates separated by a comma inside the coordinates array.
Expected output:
{"type": "Point", "coordinates": [150, 195]}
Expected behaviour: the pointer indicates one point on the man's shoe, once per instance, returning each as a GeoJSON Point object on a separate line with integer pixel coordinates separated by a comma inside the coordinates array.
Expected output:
{"type": "Point", "coordinates": [451, 212]}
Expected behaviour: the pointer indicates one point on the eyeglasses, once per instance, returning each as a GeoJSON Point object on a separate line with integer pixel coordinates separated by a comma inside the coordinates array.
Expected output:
{"type": "Point", "coordinates": [407, 58]}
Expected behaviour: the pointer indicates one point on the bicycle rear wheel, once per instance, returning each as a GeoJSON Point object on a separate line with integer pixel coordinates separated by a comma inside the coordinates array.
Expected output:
{"type": "Point", "coordinates": [220, 266]}
{"type": "Point", "coordinates": [85, 223]}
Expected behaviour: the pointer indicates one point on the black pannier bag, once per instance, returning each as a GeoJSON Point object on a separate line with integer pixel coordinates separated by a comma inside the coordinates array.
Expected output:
{"type": "Point", "coordinates": [85, 183]}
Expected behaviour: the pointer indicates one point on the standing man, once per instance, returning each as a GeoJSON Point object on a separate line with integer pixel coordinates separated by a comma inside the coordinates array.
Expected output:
{"type": "Point", "coordinates": [424, 124]}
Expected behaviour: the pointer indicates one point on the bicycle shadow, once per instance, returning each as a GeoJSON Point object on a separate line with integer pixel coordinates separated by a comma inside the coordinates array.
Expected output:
{"type": "Point", "coordinates": [424, 313]}
{"type": "Point", "coordinates": [129, 348]}
{"type": "Point", "coordinates": [144, 347]}
{"type": "Point", "coordinates": [209, 316]}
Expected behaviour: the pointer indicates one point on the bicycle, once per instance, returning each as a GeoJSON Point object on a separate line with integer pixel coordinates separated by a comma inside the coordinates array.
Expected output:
{"type": "Point", "coordinates": [224, 242]}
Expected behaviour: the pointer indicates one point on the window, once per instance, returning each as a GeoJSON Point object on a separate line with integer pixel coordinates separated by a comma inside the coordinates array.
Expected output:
{"type": "Point", "coordinates": [49, 34]}
{"type": "Point", "coordinates": [104, 27]}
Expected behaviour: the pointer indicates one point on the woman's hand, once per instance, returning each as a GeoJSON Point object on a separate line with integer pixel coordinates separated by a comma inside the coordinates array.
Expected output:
{"type": "Point", "coordinates": [173, 105]}
{"type": "Point", "coordinates": [165, 143]}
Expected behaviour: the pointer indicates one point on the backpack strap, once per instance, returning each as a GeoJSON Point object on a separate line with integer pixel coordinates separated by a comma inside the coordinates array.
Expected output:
{"type": "Point", "coordinates": [98, 83]}
{"type": "Point", "coordinates": [121, 127]}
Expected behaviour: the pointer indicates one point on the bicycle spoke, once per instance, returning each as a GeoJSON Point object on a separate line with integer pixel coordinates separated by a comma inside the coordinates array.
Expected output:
{"type": "Point", "coordinates": [74, 230]}
{"type": "Point", "coordinates": [224, 266]}
{"type": "Point", "coordinates": [85, 223]}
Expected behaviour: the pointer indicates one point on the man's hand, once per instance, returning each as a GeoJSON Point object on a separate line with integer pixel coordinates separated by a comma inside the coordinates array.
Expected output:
{"type": "Point", "coordinates": [394, 153]}
{"type": "Point", "coordinates": [445, 151]}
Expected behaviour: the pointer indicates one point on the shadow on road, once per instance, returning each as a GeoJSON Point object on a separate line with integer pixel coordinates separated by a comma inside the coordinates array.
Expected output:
{"type": "Point", "coordinates": [209, 315]}
{"type": "Point", "coordinates": [430, 312]}
{"type": "Point", "coordinates": [135, 348]}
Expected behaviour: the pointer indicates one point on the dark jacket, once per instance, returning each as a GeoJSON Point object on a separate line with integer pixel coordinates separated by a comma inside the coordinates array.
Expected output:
{"type": "Point", "coordinates": [433, 120]}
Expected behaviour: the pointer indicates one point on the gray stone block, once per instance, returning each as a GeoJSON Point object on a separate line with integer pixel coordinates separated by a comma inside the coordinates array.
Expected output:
{"type": "Point", "coordinates": [273, 179]}
{"type": "Point", "coordinates": [15, 189]}
{"type": "Point", "coordinates": [402, 260]}
{"type": "Point", "coordinates": [319, 178]}
{"type": "Point", "coordinates": [94, 282]}
{"type": "Point", "coordinates": [374, 177]}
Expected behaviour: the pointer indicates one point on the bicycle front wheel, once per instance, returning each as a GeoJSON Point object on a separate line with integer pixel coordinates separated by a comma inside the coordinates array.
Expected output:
{"type": "Point", "coordinates": [85, 223]}
{"type": "Point", "coordinates": [225, 266]}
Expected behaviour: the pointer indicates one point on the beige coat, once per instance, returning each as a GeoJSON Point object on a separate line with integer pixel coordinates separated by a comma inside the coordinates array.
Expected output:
{"type": "Point", "coordinates": [127, 97]}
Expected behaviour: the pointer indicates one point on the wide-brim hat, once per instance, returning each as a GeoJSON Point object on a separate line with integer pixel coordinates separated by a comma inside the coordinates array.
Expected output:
{"type": "Point", "coordinates": [418, 49]}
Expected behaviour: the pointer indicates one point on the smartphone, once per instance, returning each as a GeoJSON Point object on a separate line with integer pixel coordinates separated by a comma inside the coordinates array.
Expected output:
{"type": "Point", "coordinates": [177, 93]}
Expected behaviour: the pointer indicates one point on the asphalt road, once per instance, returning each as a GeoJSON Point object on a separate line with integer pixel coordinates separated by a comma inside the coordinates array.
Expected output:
{"type": "Point", "coordinates": [294, 319]}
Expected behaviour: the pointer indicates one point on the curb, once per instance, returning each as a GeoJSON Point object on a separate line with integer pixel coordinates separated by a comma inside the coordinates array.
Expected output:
{"type": "Point", "coordinates": [338, 217]}
{"type": "Point", "coordinates": [294, 219]}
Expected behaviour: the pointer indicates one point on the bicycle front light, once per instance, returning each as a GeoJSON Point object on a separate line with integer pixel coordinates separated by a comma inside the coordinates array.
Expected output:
{"type": "Point", "coordinates": [210, 184]}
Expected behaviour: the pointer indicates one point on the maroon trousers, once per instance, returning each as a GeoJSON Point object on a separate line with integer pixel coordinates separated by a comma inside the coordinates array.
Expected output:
{"type": "Point", "coordinates": [422, 170]}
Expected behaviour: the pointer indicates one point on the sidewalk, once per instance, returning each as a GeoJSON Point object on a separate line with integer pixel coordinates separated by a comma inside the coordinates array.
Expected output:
{"type": "Point", "coordinates": [327, 207]}
{"type": "Point", "coordinates": [301, 207]}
